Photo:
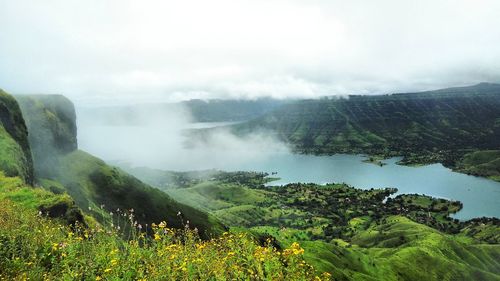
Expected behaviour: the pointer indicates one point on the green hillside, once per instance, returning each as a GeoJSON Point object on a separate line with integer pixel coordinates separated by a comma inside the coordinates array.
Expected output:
{"type": "Point", "coordinates": [15, 153]}
{"type": "Point", "coordinates": [92, 183]}
{"type": "Point", "coordinates": [426, 127]}
{"type": "Point", "coordinates": [349, 232]}
{"type": "Point", "coordinates": [51, 123]}
{"type": "Point", "coordinates": [60, 167]}
{"type": "Point", "coordinates": [481, 163]}
{"type": "Point", "coordinates": [40, 240]}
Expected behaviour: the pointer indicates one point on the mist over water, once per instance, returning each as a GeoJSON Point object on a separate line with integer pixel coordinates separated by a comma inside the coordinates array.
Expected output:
{"type": "Point", "coordinates": [161, 141]}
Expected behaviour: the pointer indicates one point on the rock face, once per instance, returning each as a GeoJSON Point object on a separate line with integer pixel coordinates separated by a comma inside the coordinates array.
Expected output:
{"type": "Point", "coordinates": [51, 122]}
{"type": "Point", "coordinates": [15, 154]}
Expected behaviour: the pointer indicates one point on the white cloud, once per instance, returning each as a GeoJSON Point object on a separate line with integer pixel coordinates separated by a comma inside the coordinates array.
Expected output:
{"type": "Point", "coordinates": [127, 51]}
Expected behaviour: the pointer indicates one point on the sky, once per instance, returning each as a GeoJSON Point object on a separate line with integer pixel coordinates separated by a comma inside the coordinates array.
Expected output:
{"type": "Point", "coordinates": [111, 52]}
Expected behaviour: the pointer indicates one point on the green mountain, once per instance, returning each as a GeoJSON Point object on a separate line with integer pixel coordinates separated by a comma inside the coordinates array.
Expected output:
{"type": "Point", "coordinates": [433, 126]}
{"type": "Point", "coordinates": [61, 167]}
{"type": "Point", "coordinates": [15, 153]}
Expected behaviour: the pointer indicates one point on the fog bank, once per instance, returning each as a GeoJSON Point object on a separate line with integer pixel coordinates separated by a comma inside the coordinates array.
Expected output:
{"type": "Point", "coordinates": [162, 141]}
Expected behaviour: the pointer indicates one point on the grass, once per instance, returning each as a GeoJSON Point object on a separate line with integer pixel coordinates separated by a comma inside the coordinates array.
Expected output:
{"type": "Point", "coordinates": [34, 247]}
{"type": "Point", "coordinates": [484, 163]}
{"type": "Point", "coordinates": [92, 183]}
{"type": "Point", "coordinates": [12, 158]}
{"type": "Point", "coordinates": [15, 153]}
{"type": "Point", "coordinates": [360, 238]}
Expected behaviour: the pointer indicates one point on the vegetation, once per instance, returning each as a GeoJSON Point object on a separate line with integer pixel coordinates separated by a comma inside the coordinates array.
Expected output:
{"type": "Point", "coordinates": [92, 183]}
{"type": "Point", "coordinates": [92, 221]}
{"type": "Point", "coordinates": [51, 121]}
{"type": "Point", "coordinates": [481, 163]}
{"type": "Point", "coordinates": [60, 167]}
{"type": "Point", "coordinates": [15, 153]}
{"type": "Point", "coordinates": [353, 233]}
{"type": "Point", "coordinates": [32, 246]}
{"type": "Point", "coordinates": [428, 127]}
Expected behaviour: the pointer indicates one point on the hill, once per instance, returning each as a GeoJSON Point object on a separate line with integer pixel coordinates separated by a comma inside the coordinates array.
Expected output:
{"type": "Point", "coordinates": [348, 232]}
{"type": "Point", "coordinates": [60, 167]}
{"type": "Point", "coordinates": [15, 153]}
{"type": "Point", "coordinates": [481, 163]}
{"type": "Point", "coordinates": [426, 127]}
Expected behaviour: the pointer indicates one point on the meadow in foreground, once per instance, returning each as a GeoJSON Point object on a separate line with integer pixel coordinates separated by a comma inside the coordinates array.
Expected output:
{"type": "Point", "coordinates": [34, 247]}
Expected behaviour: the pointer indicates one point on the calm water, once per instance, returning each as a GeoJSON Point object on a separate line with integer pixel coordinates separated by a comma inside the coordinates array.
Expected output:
{"type": "Point", "coordinates": [163, 148]}
{"type": "Point", "coordinates": [481, 197]}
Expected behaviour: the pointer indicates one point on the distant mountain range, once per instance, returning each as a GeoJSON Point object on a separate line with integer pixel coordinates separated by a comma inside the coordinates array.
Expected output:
{"type": "Point", "coordinates": [410, 124]}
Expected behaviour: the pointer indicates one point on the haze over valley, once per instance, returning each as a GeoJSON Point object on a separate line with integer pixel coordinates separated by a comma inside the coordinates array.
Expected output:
{"type": "Point", "coordinates": [250, 140]}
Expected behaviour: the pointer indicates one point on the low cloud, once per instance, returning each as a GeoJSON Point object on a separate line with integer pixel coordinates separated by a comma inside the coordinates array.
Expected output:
{"type": "Point", "coordinates": [108, 52]}
{"type": "Point", "coordinates": [162, 141]}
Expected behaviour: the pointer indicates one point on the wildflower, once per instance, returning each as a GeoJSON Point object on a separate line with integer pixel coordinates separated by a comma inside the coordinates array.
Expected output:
{"type": "Point", "coordinates": [157, 236]}
{"type": "Point", "coordinates": [162, 224]}
{"type": "Point", "coordinates": [98, 278]}
{"type": "Point", "coordinates": [107, 270]}
{"type": "Point", "coordinates": [114, 262]}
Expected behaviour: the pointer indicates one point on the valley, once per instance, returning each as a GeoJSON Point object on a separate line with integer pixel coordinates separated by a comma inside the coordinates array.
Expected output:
{"type": "Point", "coordinates": [360, 210]}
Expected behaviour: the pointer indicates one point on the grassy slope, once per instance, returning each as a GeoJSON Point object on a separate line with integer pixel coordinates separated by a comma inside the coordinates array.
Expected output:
{"type": "Point", "coordinates": [395, 248]}
{"type": "Point", "coordinates": [481, 163]}
{"type": "Point", "coordinates": [15, 154]}
{"type": "Point", "coordinates": [34, 247]}
{"type": "Point", "coordinates": [401, 249]}
{"type": "Point", "coordinates": [91, 182]}
{"type": "Point", "coordinates": [56, 206]}
{"type": "Point", "coordinates": [400, 124]}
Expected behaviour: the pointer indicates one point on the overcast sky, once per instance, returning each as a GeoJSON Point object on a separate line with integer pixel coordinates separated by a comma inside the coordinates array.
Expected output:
{"type": "Point", "coordinates": [105, 52]}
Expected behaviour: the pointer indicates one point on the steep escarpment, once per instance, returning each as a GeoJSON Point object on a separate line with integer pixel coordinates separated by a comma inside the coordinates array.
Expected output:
{"type": "Point", "coordinates": [431, 125]}
{"type": "Point", "coordinates": [51, 120]}
{"type": "Point", "coordinates": [96, 187]}
{"type": "Point", "coordinates": [15, 153]}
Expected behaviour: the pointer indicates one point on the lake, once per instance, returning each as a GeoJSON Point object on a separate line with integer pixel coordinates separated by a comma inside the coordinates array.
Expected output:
{"type": "Point", "coordinates": [481, 197]}
{"type": "Point", "coordinates": [163, 148]}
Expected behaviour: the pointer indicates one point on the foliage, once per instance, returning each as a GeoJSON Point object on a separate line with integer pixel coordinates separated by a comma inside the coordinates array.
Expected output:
{"type": "Point", "coordinates": [34, 247]}
{"type": "Point", "coordinates": [352, 233]}
{"type": "Point", "coordinates": [481, 163]}
{"type": "Point", "coordinates": [428, 127]}
{"type": "Point", "coordinates": [92, 183]}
